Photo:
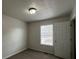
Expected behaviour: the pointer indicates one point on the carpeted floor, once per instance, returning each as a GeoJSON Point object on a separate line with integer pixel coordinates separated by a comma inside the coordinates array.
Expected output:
{"type": "Point", "coordinates": [32, 54]}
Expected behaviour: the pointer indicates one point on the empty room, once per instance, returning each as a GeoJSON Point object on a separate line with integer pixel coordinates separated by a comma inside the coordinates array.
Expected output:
{"type": "Point", "coordinates": [38, 29]}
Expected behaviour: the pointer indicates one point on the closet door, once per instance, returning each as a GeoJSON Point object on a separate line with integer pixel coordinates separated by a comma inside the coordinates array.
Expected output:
{"type": "Point", "coordinates": [62, 39]}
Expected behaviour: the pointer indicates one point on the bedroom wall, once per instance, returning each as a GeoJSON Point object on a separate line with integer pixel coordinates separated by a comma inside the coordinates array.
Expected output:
{"type": "Point", "coordinates": [34, 34]}
{"type": "Point", "coordinates": [14, 36]}
{"type": "Point", "coordinates": [73, 14]}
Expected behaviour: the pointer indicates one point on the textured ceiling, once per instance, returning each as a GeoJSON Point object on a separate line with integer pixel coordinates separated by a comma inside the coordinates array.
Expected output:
{"type": "Point", "coordinates": [45, 8]}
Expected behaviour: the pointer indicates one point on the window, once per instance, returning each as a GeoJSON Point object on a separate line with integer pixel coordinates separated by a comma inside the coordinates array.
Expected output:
{"type": "Point", "coordinates": [46, 35]}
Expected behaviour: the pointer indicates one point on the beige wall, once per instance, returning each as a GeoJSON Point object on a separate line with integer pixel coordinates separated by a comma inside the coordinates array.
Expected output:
{"type": "Point", "coordinates": [73, 14]}
{"type": "Point", "coordinates": [14, 36]}
{"type": "Point", "coordinates": [34, 34]}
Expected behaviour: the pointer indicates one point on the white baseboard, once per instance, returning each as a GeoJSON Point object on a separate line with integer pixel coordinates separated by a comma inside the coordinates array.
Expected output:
{"type": "Point", "coordinates": [42, 50]}
{"type": "Point", "coordinates": [14, 53]}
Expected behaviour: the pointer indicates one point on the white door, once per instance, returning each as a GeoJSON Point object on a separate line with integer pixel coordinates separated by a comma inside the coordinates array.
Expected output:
{"type": "Point", "coordinates": [62, 39]}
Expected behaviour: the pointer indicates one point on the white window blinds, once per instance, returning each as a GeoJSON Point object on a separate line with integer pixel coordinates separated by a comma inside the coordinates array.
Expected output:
{"type": "Point", "coordinates": [47, 35]}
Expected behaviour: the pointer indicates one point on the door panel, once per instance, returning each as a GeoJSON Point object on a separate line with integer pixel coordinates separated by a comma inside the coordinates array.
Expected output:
{"type": "Point", "coordinates": [62, 39]}
{"type": "Point", "coordinates": [73, 37]}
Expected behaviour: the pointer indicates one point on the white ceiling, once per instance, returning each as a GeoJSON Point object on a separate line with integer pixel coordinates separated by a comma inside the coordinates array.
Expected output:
{"type": "Point", "coordinates": [45, 8]}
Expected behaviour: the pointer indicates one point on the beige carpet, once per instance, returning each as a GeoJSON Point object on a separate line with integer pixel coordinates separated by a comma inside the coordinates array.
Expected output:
{"type": "Point", "coordinates": [32, 54]}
